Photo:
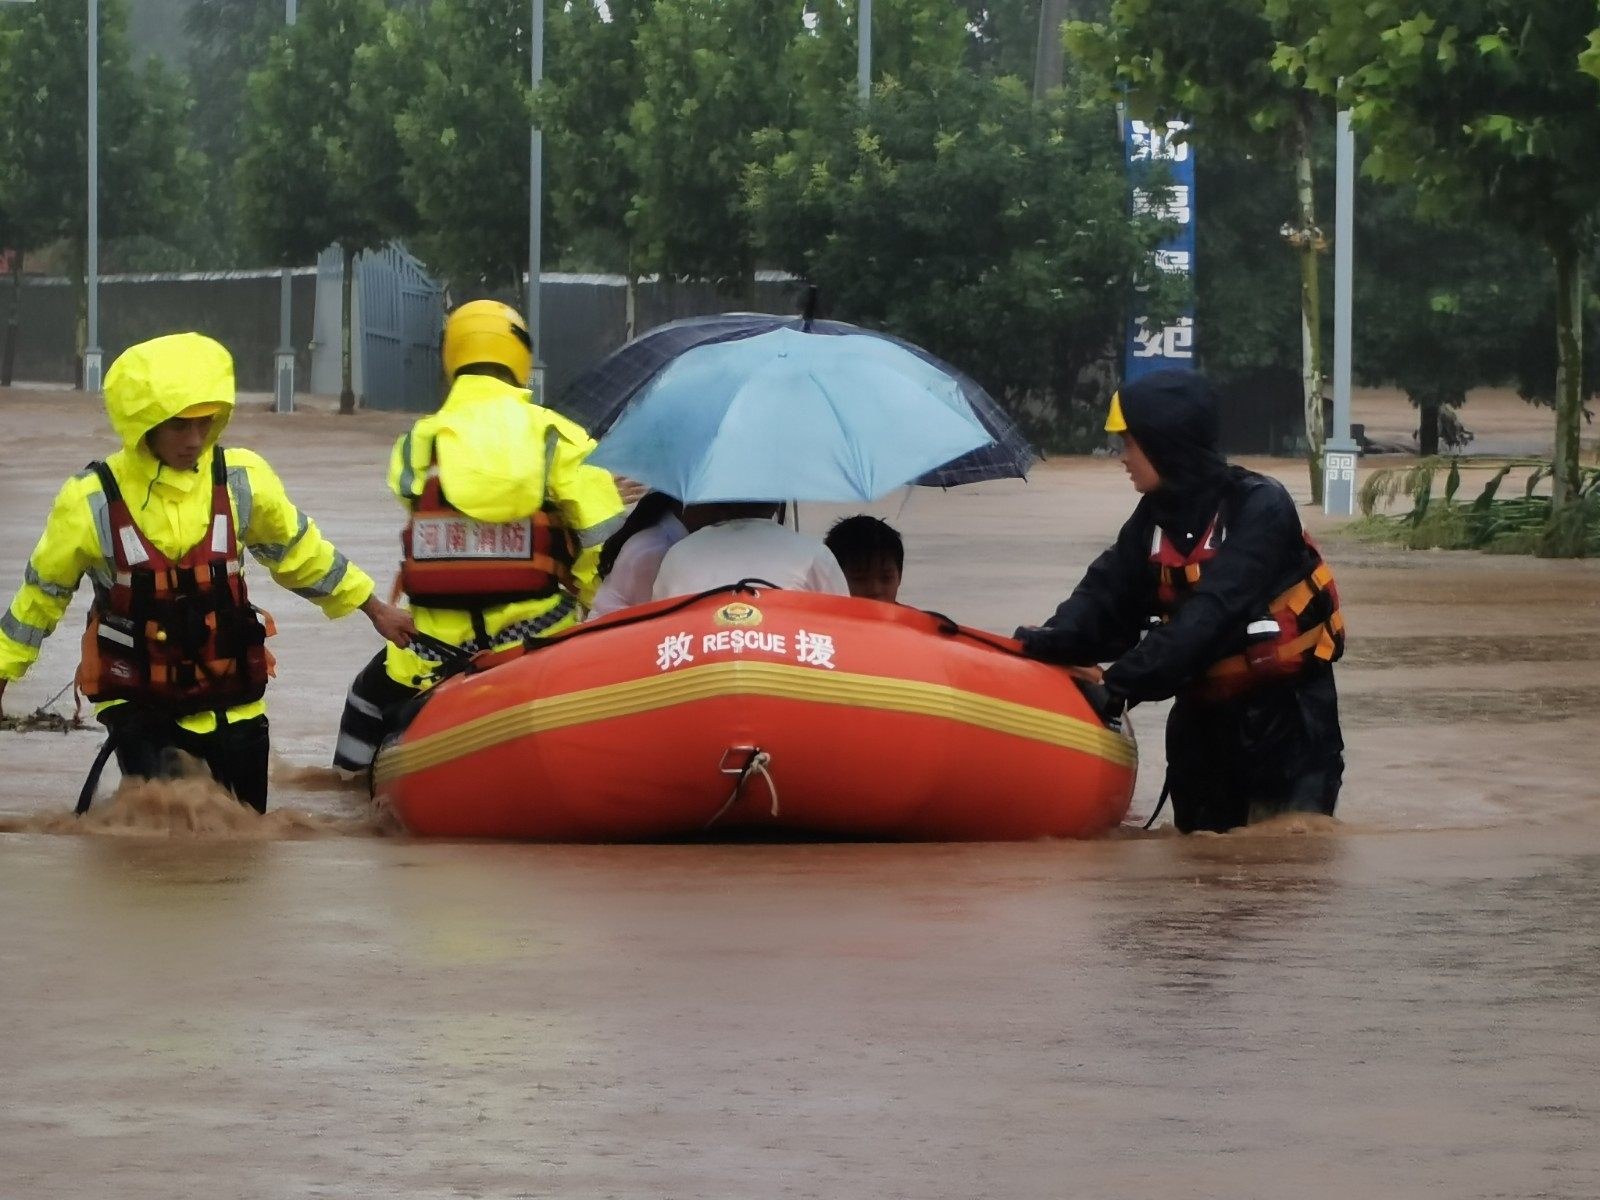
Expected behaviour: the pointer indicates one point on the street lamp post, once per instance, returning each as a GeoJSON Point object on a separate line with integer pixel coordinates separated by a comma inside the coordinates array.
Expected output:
{"type": "Point", "coordinates": [535, 197]}
{"type": "Point", "coordinates": [1339, 455]}
{"type": "Point", "coordinates": [864, 50]}
{"type": "Point", "coordinates": [283, 359]}
{"type": "Point", "coordinates": [91, 351]}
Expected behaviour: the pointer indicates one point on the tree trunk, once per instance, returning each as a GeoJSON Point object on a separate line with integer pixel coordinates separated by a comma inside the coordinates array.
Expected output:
{"type": "Point", "coordinates": [630, 304]}
{"type": "Point", "coordinates": [1310, 297]}
{"type": "Point", "coordinates": [8, 358]}
{"type": "Point", "coordinates": [521, 287]}
{"type": "Point", "coordinates": [347, 394]}
{"type": "Point", "coordinates": [1428, 429]}
{"type": "Point", "coordinates": [1569, 374]}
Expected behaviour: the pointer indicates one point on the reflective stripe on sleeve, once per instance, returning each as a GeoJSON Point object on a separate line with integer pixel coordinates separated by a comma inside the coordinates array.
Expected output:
{"type": "Point", "coordinates": [21, 632]}
{"type": "Point", "coordinates": [54, 590]}
{"type": "Point", "coordinates": [275, 552]}
{"type": "Point", "coordinates": [596, 534]}
{"type": "Point", "coordinates": [329, 582]}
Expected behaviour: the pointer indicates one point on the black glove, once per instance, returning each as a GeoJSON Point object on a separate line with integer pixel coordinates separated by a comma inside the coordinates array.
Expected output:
{"type": "Point", "coordinates": [1108, 703]}
{"type": "Point", "coordinates": [1033, 638]}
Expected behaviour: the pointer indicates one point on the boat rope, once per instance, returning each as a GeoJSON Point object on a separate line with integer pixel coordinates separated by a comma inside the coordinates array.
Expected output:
{"type": "Point", "coordinates": [1166, 790]}
{"type": "Point", "coordinates": [756, 765]}
{"type": "Point", "coordinates": [92, 781]}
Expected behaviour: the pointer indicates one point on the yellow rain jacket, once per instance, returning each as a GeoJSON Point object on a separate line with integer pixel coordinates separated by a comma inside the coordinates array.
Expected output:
{"type": "Point", "coordinates": [172, 509]}
{"type": "Point", "coordinates": [491, 445]}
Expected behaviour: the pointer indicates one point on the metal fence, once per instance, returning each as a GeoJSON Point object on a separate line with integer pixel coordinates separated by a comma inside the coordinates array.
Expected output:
{"type": "Point", "coordinates": [238, 308]}
{"type": "Point", "coordinates": [397, 315]}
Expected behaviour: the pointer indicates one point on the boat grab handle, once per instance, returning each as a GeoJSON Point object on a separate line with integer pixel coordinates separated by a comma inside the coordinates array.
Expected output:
{"type": "Point", "coordinates": [756, 764]}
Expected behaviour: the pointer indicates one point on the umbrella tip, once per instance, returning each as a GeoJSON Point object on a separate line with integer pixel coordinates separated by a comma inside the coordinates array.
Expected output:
{"type": "Point", "coordinates": [809, 312]}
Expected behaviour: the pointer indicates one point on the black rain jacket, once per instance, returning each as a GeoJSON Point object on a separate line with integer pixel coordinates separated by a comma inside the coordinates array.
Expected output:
{"type": "Point", "coordinates": [1173, 417]}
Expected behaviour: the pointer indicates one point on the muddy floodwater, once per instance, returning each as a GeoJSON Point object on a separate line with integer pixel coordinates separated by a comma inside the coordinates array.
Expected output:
{"type": "Point", "coordinates": [197, 1002]}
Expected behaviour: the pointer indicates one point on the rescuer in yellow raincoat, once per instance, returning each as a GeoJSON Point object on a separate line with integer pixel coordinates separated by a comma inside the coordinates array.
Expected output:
{"type": "Point", "coordinates": [506, 519]}
{"type": "Point", "coordinates": [174, 655]}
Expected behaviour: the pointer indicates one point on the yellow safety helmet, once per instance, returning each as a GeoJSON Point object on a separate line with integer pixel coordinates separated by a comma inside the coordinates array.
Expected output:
{"type": "Point", "coordinates": [1115, 421]}
{"type": "Point", "coordinates": [195, 411]}
{"type": "Point", "coordinates": [486, 331]}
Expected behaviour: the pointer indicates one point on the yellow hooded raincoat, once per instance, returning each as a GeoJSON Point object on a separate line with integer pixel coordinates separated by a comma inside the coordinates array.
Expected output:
{"type": "Point", "coordinates": [501, 457]}
{"type": "Point", "coordinates": [151, 383]}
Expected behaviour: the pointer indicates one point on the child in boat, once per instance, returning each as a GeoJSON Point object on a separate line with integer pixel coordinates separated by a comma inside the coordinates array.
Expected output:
{"type": "Point", "coordinates": [871, 554]}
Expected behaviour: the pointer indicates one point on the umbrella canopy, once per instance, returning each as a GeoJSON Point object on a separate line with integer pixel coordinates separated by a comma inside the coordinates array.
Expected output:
{"type": "Point", "coordinates": [789, 415]}
{"type": "Point", "coordinates": [598, 398]}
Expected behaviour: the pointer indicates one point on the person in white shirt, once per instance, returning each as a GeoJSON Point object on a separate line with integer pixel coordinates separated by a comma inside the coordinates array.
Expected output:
{"type": "Point", "coordinates": [631, 557]}
{"type": "Point", "coordinates": [730, 542]}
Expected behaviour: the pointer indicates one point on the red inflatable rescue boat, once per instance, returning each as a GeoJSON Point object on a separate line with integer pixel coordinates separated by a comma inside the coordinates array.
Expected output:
{"type": "Point", "coordinates": [759, 710]}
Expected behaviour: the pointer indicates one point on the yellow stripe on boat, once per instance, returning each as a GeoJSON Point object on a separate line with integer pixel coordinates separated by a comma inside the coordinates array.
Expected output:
{"type": "Point", "coordinates": [749, 678]}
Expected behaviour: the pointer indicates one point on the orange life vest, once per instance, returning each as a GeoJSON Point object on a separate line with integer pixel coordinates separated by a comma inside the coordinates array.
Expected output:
{"type": "Point", "coordinates": [1302, 624]}
{"type": "Point", "coordinates": [179, 635]}
{"type": "Point", "coordinates": [456, 561]}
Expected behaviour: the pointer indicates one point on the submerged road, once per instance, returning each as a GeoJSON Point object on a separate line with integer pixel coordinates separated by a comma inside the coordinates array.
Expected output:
{"type": "Point", "coordinates": [197, 1005]}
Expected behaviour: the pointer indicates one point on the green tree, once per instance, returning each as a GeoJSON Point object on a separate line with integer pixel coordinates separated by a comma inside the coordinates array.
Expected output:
{"type": "Point", "coordinates": [1215, 64]}
{"type": "Point", "coordinates": [1003, 36]}
{"type": "Point", "coordinates": [465, 139]}
{"type": "Point", "coordinates": [1247, 312]}
{"type": "Point", "coordinates": [1482, 106]}
{"type": "Point", "coordinates": [590, 83]}
{"type": "Point", "coordinates": [712, 73]}
{"type": "Point", "coordinates": [146, 167]}
{"type": "Point", "coordinates": [12, 235]}
{"type": "Point", "coordinates": [960, 214]}
{"type": "Point", "coordinates": [906, 35]}
{"type": "Point", "coordinates": [227, 40]}
{"type": "Point", "coordinates": [297, 191]}
{"type": "Point", "coordinates": [382, 85]}
{"type": "Point", "coordinates": [1441, 308]}
{"type": "Point", "coordinates": [1589, 60]}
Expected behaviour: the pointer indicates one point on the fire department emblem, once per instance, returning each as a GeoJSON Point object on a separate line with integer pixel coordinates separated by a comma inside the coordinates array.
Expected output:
{"type": "Point", "coordinates": [738, 613]}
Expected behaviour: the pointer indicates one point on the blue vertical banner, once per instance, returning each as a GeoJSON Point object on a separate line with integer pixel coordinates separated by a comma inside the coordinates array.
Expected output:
{"type": "Point", "coordinates": [1147, 147]}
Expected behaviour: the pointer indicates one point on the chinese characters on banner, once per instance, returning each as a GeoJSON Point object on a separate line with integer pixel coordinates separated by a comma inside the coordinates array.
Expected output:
{"type": "Point", "coordinates": [1149, 146]}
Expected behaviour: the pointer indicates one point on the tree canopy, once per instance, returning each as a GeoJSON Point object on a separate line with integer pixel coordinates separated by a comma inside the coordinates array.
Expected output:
{"type": "Point", "coordinates": [711, 74]}
{"type": "Point", "coordinates": [1215, 64]}
{"type": "Point", "coordinates": [938, 212]}
{"type": "Point", "coordinates": [463, 137]}
{"type": "Point", "coordinates": [147, 169]}
{"type": "Point", "coordinates": [1483, 107]}
{"type": "Point", "coordinates": [295, 197]}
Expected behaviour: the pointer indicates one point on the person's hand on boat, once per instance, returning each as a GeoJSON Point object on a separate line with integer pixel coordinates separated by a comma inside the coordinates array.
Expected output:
{"type": "Point", "coordinates": [1089, 674]}
{"type": "Point", "coordinates": [393, 624]}
{"type": "Point", "coordinates": [631, 490]}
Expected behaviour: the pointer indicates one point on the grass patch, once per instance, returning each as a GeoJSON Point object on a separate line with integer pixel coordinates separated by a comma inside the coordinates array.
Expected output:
{"type": "Point", "coordinates": [1489, 522]}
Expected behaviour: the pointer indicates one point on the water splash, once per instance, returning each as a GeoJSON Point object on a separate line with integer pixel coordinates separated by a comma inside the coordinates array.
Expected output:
{"type": "Point", "coordinates": [193, 805]}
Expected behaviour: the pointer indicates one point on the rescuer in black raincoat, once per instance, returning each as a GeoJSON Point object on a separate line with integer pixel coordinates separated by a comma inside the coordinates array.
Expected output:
{"type": "Point", "coordinates": [1212, 594]}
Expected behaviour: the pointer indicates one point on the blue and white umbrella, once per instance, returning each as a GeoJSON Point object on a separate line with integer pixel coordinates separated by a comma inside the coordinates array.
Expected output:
{"type": "Point", "coordinates": [598, 399]}
{"type": "Point", "coordinates": [791, 415]}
